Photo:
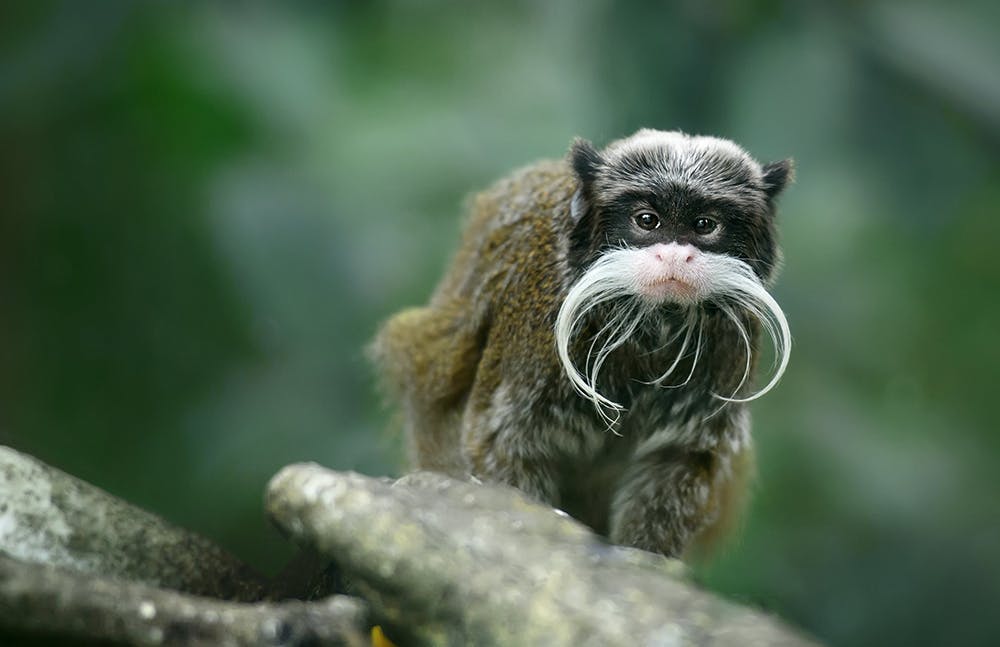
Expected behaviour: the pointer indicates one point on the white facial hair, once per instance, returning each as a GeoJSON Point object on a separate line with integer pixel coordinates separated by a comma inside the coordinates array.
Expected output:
{"type": "Point", "coordinates": [727, 282]}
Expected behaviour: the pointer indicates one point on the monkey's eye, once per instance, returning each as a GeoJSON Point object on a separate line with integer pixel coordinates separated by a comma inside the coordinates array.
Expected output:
{"type": "Point", "coordinates": [646, 220]}
{"type": "Point", "coordinates": [705, 226]}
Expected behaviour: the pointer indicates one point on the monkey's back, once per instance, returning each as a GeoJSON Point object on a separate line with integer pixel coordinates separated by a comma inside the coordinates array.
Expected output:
{"type": "Point", "coordinates": [491, 314]}
{"type": "Point", "coordinates": [513, 226]}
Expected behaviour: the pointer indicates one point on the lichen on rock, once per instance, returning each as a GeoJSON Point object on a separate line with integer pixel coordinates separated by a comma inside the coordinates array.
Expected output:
{"type": "Point", "coordinates": [447, 562]}
{"type": "Point", "coordinates": [50, 517]}
{"type": "Point", "coordinates": [433, 560]}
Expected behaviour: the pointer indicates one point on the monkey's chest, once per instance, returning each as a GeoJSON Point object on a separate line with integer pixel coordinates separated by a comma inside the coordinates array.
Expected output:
{"type": "Point", "coordinates": [588, 480]}
{"type": "Point", "coordinates": [587, 484]}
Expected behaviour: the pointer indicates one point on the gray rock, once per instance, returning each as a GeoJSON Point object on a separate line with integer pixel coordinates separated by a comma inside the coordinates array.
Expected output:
{"type": "Point", "coordinates": [439, 561]}
{"type": "Point", "coordinates": [445, 562]}
{"type": "Point", "coordinates": [49, 517]}
{"type": "Point", "coordinates": [41, 600]}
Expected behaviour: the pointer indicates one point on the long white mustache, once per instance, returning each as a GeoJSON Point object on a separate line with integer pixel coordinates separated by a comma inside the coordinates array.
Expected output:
{"type": "Point", "coordinates": [727, 282]}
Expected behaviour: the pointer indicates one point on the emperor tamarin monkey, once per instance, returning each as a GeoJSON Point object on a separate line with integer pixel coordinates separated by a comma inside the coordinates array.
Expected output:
{"type": "Point", "coordinates": [594, 339]}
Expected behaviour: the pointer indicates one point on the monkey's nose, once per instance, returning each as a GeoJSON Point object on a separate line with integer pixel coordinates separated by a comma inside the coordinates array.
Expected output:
{"type": "Point", "coordinates": [674, 252]}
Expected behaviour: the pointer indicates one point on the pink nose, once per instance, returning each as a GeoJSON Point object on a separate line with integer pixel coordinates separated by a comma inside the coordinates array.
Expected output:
{"type": "Point", "coordinates": [674, 253]}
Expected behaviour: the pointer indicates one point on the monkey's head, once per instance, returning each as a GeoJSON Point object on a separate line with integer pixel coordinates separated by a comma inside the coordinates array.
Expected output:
{"type": "Point", "coordinates": [663, 220]}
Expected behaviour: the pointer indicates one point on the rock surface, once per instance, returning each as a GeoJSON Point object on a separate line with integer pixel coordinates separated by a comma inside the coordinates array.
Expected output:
{"type": "Point", "coordinates": [445, 562]}
{"type": "Point", "coordinates": [436, 561]}
{"type": "Point", "coordinates": [42, 600]}
{"type": "Point", "coordinates": [47, 516]}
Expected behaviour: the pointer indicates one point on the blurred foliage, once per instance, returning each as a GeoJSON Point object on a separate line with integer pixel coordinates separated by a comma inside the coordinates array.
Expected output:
{"type": "Point", "coordinates": [206, 210]}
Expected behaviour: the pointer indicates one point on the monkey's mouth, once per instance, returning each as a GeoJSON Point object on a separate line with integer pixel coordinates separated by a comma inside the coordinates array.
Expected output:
{"type": "Point", "coordinates": [669, 288]}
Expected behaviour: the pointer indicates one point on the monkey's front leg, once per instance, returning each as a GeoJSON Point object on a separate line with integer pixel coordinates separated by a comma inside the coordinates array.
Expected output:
{"type": "Point", "coordinates": [663, 500]}
{"type": "Point", "coordinates": [503, 447]}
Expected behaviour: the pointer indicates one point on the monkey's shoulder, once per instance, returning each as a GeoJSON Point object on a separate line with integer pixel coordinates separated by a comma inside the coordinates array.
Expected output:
{"type": "Point", "coordinates": [525, 220]}
{"type": "Point", "coordinates": [538, 194]}
{"type": "Point", "coordinates": [515, 238]}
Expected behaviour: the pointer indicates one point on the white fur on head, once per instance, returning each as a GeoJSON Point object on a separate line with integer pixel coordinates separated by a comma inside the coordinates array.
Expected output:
{"type": "Point", "coordinates": [620, 278]}
{"type": "Point", "coordinates": [710, 165]}
{"type": "Point", "coordinates": [688, 150]}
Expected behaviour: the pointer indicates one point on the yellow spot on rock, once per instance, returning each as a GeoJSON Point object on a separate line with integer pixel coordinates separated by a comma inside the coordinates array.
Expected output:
{"type": "Point", "coordinates": [379, 639]}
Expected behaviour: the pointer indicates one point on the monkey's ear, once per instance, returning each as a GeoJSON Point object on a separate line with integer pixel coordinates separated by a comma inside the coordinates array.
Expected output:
{"type": "Point", "coordinates": [777, 175]}
{"type": "Point", "coordinates": [585, 160]}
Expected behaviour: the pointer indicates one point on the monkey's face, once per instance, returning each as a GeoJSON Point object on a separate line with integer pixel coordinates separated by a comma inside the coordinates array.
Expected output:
{"type": "Point", "coordinates": [664, 218]}
{"type": "Point", "coordinates": [677, 197]}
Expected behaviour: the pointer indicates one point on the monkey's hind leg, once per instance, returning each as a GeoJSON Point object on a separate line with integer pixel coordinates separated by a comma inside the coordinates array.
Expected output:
{"type": "Point", "coordinates": [428, 358]}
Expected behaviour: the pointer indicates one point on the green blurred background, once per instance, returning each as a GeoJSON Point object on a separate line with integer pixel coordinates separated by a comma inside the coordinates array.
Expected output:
{"type": "Point", "coordinates": [206, 210]}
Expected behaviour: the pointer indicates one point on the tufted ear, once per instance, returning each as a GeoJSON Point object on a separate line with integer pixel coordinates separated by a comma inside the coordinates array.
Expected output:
{"type": "Point", "coordinates": [585, 160]}
{"type": "Point", "coordinates": [586, 163]}
{"type": "Point", "coordinates": [777, 175]}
